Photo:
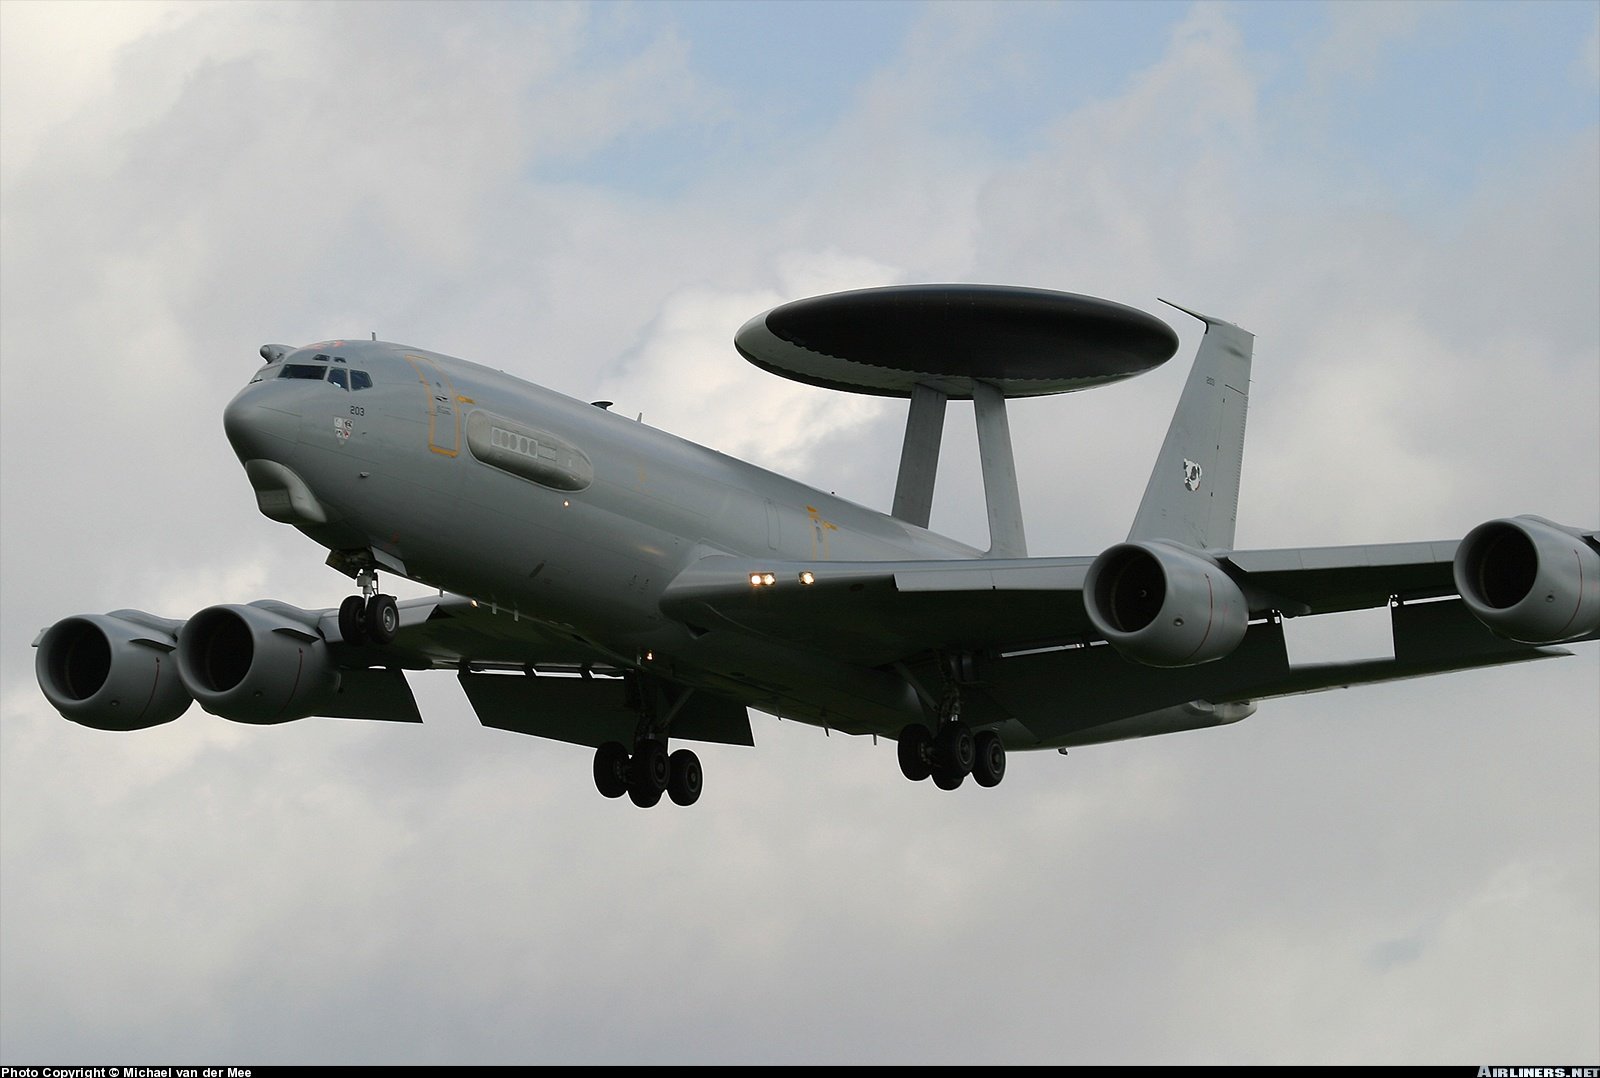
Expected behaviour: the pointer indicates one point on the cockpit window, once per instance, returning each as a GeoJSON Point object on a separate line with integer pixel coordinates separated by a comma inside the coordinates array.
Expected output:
{"type": "Point", "coordinates": [343, 377]}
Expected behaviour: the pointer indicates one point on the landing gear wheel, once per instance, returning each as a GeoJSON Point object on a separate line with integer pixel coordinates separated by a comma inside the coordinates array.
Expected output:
{"type": "Point", "coordinates": [954, 749]}
{"type": "Point", "coordinates": [352, 623]}
{"type": "Point", "coordinates": [382, 619]}
{"type": "Point", "coordinates": [648, 775]}
{"type": "Point", "coordinates": [915, 752]}
{"type": "Point", "coordinates": [946, 778]}
{"type": "Point", "coordinates": [685, 779]}
{"type": "Point", "coordinates": [989, 763]}
{"type": "Point", "coordinates": [611, 769]}
{"type": "Point", "coordinates": [644, 797]}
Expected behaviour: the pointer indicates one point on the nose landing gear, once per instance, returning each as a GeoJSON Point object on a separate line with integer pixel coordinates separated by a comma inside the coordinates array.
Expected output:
{"type": "Point", "coordinates": [369, 618]}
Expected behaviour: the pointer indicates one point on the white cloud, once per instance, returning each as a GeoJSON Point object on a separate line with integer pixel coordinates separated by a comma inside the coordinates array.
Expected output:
{"type": "Point", "coordinates": [685, 362]}
{"type": "Point", "coordinates": [57, 61]}
{"type": "Point", "coordinates": [1359, 34]}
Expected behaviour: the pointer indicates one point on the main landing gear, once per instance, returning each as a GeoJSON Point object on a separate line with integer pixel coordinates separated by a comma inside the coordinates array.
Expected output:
{"type": "Point", "coordinates": [951, 753]}
{"type": "Point", "coordinates": [648, 773]}
{"type": "Point", "coordinates": [369, 618]}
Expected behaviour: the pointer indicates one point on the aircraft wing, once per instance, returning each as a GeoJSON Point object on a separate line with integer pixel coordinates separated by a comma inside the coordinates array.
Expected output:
{"type": "Point", "coordinates": [1326, 580]}
{"type": "Point", "coordinates": [1029, 621]}
{"type": "Point", "coordinates": [1042, 665]}
{"type": "Point", "coordinates": [446, 631]}
{"type": "Point", "coordinates": [875, 613]}
{"type": "Point", "coordinates": [882, 612]}
{"type": "Point", "coordinates": [519, 675]}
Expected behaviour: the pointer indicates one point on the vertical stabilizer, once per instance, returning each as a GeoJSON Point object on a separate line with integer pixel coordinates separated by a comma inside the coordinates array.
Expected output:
{"type": "Point", "coordinates": [1193, 494]}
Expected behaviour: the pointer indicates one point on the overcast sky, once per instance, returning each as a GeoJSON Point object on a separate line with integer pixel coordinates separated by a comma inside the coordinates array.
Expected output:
{"type": "Point", "coordinates": [1400, 200]}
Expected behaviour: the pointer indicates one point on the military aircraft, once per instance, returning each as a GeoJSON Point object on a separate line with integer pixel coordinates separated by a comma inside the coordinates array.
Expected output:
{"type": "Point", "coordinates": [610, 585]}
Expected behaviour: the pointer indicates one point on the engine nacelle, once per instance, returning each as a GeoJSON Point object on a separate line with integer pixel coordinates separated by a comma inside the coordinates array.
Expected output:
{"type": "Point", "coordinates": [1163, 605]}
{"type": "Point", "coordinates": [261, 664]}
{"type": "Point", "coordinates": [1530, 579]}
{"type": "Point", "coordinates": [112, 671]}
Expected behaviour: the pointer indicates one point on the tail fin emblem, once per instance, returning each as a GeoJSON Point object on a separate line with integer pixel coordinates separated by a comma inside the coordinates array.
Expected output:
{"type": "Point", "coordinates": [1191, 474]}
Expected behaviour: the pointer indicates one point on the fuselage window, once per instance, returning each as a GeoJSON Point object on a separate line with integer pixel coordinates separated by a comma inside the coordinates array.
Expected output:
{"type": "Point", "coordinates": [304, 370]}
{"type": "Point", "coordinates": [339, 377]}
{"type": "Point", "coordinates": [360, 380]}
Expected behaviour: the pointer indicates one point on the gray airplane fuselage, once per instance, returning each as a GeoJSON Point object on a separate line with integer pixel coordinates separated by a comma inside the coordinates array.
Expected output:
{"type": "Point", "coordinates": [467, 479]}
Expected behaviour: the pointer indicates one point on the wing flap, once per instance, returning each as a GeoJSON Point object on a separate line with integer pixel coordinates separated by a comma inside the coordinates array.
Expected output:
{"type": "Point", "coordinates": [593, 710]}
{"type": "Point", "coordinates": [380, 694]}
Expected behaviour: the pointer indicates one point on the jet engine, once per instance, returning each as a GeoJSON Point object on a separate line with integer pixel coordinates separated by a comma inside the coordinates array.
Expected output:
{"type": "Point", "coordinates": [263, 663]}
{"type": "Point", "coordinates": [1164, 605]}
{"type": "Point", "coordinates": [112, 671]}
{"type": "Point", "coordinates": [1530, 579]}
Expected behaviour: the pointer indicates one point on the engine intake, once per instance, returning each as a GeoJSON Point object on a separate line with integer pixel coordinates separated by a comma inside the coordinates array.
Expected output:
{"type": "Point", "coordinates": [259, 664]}
{"type": "Point", "coordinates": [1530, 579]}
{"type": "Point", "coordinates": [112, 671]}
{"type": "Point", "coordinates": [1164, 605]}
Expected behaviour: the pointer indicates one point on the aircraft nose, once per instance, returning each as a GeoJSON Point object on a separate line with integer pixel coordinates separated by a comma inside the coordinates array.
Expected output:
{"type": "Point", "coordinates": [258, 430]}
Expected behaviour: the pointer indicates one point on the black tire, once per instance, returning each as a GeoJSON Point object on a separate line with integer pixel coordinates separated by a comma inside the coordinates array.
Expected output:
{"type": "Point", "coordinates": [352, 622]}
{"type": "Point", "coordinates": [953, 748]}
{"type": "Point", "coordinates": [686, 779]}
{"type": "Point", "coordinates": [989, 762]}
{"type": "Point", "coordinates": [644, 798]}
{"type": "Point", "coordinates": [947, 779]}
{"type": "Point", "coordinates": [651, 769]}
{"type": "Point", "coordinates": [611, 769]}
{"type": "Point", "coordinates": [915, 752]}
{"type": "Point", "coordinates": [382, 619]}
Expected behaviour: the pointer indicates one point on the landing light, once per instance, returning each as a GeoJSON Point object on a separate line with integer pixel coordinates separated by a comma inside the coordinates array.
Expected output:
{"type": "Point", "coordinates": [807, 577]}
{"type": "Point", "coordinates": [763, 580]}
